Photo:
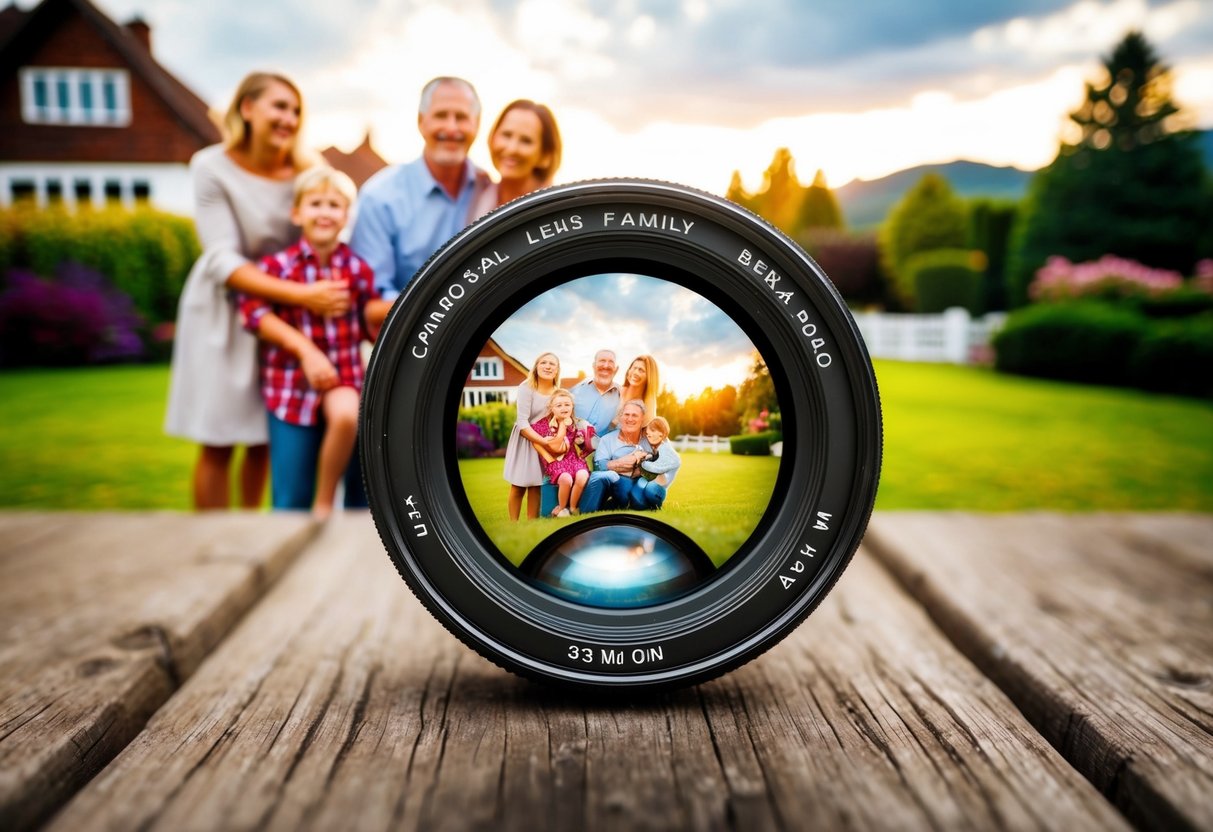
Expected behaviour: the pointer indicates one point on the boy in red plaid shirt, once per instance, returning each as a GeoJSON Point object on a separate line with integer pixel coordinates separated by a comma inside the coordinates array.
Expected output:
{"type": "Point", "coordinates": [311, 366]}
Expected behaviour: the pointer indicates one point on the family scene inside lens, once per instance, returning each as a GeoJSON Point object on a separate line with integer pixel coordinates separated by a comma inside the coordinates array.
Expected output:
{"type": "Point", "coordinates": [609, 465]}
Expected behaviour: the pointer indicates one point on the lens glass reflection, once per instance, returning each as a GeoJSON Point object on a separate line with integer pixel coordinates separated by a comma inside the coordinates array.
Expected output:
{"type": "Point", "coordinates": [620, 565]}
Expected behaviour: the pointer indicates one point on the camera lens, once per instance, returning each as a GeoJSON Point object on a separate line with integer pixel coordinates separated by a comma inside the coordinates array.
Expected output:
{"type": "Point", "coordinates": [602, 335]}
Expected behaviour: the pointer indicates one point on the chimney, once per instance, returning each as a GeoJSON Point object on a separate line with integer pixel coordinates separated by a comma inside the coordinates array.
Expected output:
{"type": "Point", "coordinates": [141, 31]}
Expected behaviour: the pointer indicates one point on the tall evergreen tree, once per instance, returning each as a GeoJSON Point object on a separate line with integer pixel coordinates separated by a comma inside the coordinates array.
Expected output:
{"type": "Point", "coordinates": [1132, 183]}
{"type": "Point", "coordinates": [818, 207]}
{"type": "Point", "coordinates": [781, 194]}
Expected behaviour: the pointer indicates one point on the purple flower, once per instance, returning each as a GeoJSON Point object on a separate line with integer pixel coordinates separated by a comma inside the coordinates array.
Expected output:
{"type": "Point", "coordinates": [76, 318]}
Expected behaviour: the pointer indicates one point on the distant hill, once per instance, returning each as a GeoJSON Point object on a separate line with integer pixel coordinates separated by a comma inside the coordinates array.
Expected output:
{"type": "Point", "coordinates": [866, 203]}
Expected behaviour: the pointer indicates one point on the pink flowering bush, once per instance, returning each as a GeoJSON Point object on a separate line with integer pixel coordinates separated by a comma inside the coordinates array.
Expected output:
{"type": "Point", "coordinates": [1109, 277]}
{"type": "Point", "coordinates": [1203, 280]}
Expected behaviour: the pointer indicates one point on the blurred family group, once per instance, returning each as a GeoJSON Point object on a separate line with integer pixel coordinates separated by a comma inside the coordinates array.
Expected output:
{"type": "Point", "coordinates": [600, 444]}
{"type": "Point", "coordinates": [267, 353]}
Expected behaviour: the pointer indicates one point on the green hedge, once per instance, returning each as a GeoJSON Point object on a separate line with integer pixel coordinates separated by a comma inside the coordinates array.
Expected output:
{"type": "Point", "coordinates": [146, 254]}
{"type": "Point", "coordinates": [1176, 357]}
{"type": "Point", "coordinates": [1089, 341]}
{"type": "Point", "coordinates": [946, 277]}
{"type": "Point", "coordinates": [1105, 343]}
{"type": "Point", "coordinates": [754, 444]}
{"type": "Point", "coordinates": [495, 420]}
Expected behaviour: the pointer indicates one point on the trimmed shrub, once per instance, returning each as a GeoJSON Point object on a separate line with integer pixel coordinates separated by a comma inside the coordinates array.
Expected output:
{"type": "Point", "coordinates": [852, 262]}
{"type": "Point", "coordinates": [1185, 302]}
{"type": "Point", "coordinates": [990, 224]}
{"type": "Point", "coordinates": [77, 318]}
{"type": "Point", "coordinates": [1176, 357]}
{"type": "Point", "coordinates": [946, 277]}
{"type": "Point", "coordinates": [754, 444]}
{"type": "Point", "coordinates": [470, 442]}
{"type": "Point", "coordinates": [930, 216]}
{"type": "Point", "coordinates": [146, 254]}
{"type": "Point", "coordinates": [1089, 341]}
{"type": "Point", "coordinates": [495, 421]}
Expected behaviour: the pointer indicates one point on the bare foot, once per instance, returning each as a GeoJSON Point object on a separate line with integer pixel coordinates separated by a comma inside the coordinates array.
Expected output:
{"type": "Point", "coordinates": [321, 512]}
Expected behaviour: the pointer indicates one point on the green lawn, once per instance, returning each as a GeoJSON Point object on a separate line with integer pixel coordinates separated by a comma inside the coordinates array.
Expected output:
{"type": "Point", "coordinates": [960, 437]}
{"type": "Point", "coordinates": [955, 437]}
{"type": "Point", "coordinates": [716, 501]}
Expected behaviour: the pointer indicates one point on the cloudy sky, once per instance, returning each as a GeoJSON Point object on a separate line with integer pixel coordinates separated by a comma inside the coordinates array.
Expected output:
{"type": "Point", "coordinates": [695, 343]}
{"type": "Point", "coordinates": [689, 90]}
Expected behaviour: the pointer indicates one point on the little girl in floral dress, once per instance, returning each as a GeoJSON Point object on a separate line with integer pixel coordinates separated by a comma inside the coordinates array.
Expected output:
{"type": "Point", "coordinates": [563, 460]}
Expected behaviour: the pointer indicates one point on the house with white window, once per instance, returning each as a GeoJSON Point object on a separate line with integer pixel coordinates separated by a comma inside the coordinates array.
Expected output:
{"type": "Point", "coordinates": [87, 115]}
{"type": "Point", "coordinates": [494, 377]}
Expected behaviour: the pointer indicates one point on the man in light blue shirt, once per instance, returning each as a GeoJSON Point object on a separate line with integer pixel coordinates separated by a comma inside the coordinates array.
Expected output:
{"type": "Point", "coordinates": [597, 399]}
{"type": "Point", "coordinates": [406, 212]}
{"type": "Point", "coordinates": [617, 462]}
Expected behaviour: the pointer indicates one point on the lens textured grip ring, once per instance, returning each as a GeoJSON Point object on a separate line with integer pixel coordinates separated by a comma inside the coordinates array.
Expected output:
{"type": "Point", "coordinates": [717, 601]}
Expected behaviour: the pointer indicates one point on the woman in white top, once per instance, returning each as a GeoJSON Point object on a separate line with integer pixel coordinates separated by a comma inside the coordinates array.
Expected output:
{"type": "Point", "coordinates": [525, 147]}
{"type": "Point", "coordinates": [242, 195]}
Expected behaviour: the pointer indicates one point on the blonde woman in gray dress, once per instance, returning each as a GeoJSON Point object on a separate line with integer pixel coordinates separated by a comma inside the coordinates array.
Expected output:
{"type": "Point", "coordinates": [522, 469]}
{"type": "Point", "coordinates": [243, 197]}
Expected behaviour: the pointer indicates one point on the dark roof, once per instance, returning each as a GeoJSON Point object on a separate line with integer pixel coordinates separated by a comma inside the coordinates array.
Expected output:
{"type": "Point", "coordinates": [11, 17]}
{"type": "Point", "coordinates": [21, 31]}
{"type": "Point", "coordinates": [360, 164]}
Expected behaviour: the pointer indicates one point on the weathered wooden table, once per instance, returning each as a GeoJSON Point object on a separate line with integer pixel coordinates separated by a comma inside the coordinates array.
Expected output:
{"type": "Point", "coordinates": [162, 671]}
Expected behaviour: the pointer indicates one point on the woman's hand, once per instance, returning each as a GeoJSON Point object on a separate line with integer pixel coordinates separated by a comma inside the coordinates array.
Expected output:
{"type": "Point", "coordinates": [319, 371]}
{"type": "Point", "coordinates": [327, 297]}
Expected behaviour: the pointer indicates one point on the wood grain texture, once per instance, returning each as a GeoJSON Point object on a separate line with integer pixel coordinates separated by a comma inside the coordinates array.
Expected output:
{"type": "Point", "coordinates": [1099, 627]}
{"type": "Point", "coordinates": [101, 617]}
{"type": "Point", "coordinates": [339, 703]}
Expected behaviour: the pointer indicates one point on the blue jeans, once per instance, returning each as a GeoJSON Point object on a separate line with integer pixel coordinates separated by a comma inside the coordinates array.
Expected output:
{"type": "Point", "coordinates": [605, 490]}
{"type": "Point", "coordinates": [294, 452]}
{"type": "Point", "coordinates": [646, 494]}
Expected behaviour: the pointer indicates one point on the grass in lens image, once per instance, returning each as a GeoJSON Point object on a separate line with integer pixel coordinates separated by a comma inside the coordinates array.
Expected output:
{"type": "Point", "coordinates": [658, 378]}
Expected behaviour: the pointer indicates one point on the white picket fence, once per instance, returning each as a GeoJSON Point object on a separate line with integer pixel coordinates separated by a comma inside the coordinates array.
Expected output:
{"type": "Point", "coordinates": [954, 337]}
{"type": "Point", "coordinates": [709, 444]}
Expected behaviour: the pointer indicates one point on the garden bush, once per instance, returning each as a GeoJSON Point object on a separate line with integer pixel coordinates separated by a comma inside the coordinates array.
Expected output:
{"type": "Point", "coordinates": [145, 253]}
{"type": "Point", "coordinates": [1176, 357]}
{"type": "Point", "coordinates": [947, 277]}
{"type": "Point", "coordinates": [495, 420]}
{"type": "Point", "coordinates": [851, 260]}
{"type": "Point", "coordinates": [989, 231]}
{"type": "Point", "coordinates": [754, 444]}
{"type": "Point", "coordinates": [1183, 302]}
{"type": "Point", "coordinates": [470, 442]}
{"type": "Point", "coordinates": [1087, 341]}
{"type": "Point", "coordinates": [1108, 278]}
{"type": "Point", "coordinates": [76, 318]}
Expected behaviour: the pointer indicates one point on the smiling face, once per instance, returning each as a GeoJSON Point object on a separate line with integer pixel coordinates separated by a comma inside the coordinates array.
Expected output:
{"type": "Point", "coordinates": [516, 146]}
{"type": "Point", "coordinates": [654, 434]}
{"type": "Point", "coordinates": [547, 367]}
{"type": "Point", "coordinates": [321, 214]}
{"type": "Point", "coordinates": [562, 407]}
{"type": "Point", "coordinates": [630, 418]}
{"type": "Point", "coordinates": [273, 117]}
{"type": "Point", "coordinates": [637, 373]}
{"type": "Point", "coordinates": [604, 368]}
{"type": "Point", "coordinates": [448, 126]}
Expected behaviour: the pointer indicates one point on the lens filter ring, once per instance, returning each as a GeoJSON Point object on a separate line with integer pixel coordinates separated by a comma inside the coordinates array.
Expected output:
{"type": "Point", "coordinates": [615, 599]}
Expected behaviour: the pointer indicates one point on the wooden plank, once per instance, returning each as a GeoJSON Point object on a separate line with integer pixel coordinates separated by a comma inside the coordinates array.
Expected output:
{"type": "Point", "coordinates": [1099, 627]}
{"type": "Point", "coordinates": [101, 617]}
{"type": "Point", "coordinates": [339, 703]}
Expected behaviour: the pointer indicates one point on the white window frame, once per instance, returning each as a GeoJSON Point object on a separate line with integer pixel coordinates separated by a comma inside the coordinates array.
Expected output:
{"type": "Point", "coordinates": [97, 115]}
{"type": "Point", "coordinates": [488, 368]}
